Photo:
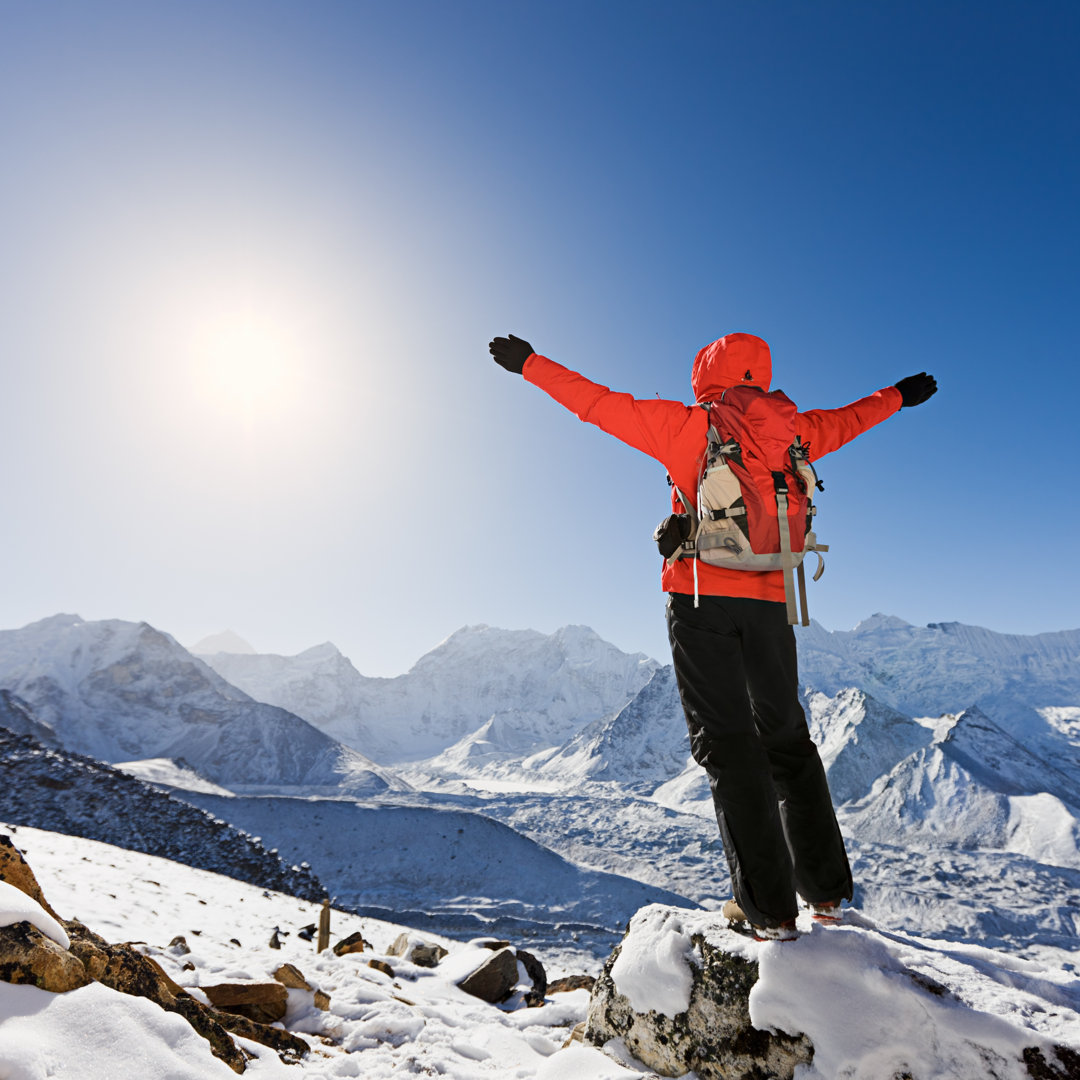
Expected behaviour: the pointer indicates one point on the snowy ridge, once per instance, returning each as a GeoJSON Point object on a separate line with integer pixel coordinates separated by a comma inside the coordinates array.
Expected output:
{"type": "Point", "coordinates": [859, 739]}
{"type": "Point", "coordinates": [643, 745]}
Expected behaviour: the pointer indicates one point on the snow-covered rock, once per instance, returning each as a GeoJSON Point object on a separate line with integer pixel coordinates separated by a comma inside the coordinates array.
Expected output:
{"type": "Point", "coordinates": [683, 992]}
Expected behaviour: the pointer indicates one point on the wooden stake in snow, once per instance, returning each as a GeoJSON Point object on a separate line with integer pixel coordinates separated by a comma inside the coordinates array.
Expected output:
{"type": "Point", "coordinates": [324, 926]}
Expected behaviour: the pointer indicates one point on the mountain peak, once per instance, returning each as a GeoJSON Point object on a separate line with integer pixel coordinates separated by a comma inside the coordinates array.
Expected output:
{"type": "Point", "coordinates": [228, 641]}
{"type": "Point", "coordinates": [880, 621]}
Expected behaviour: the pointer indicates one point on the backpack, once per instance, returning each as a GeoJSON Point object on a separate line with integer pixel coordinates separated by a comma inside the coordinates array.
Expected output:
{"type": "Point", "coordinates": [754, 508]}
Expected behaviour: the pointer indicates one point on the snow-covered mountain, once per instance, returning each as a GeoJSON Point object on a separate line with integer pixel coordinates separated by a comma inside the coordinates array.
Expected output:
{"type": "Point", "coordinates": [540, 688]}
{"type": "Point", "coordinates": [640, 747]}
{"type": "Point", "coordinates": [119, 691]}
{"type": "Point", "coordinates": [1021, 681]}
{"type": "Point", "coordinates": [860, 739]}
{"type": "Point", "coordinates": [16, 715]}
{"type": "Point", "coordinates": [961, 790]}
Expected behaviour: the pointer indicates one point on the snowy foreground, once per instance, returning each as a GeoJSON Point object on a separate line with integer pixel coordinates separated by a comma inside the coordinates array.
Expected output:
{"type": "Point", "coordinates": [872, 1002]}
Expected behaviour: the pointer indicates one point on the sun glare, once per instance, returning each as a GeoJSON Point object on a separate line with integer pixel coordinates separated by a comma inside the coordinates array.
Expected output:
{"type": "Point", "coordinates": [249, 366]}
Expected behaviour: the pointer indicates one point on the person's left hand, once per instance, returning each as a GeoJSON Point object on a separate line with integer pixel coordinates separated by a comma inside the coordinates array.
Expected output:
{"type": "Point", "coordinates": [510, 353]}
{"type": "Point", "coordinates": [915, 389]}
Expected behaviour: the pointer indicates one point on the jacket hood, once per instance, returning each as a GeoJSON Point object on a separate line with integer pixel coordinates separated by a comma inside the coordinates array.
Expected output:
{"type": "Point", "coordinates": [735, 359]}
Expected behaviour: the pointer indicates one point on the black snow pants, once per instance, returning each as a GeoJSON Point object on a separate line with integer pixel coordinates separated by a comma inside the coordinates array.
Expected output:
{"type": "Point", "coordinates": [737, 672]}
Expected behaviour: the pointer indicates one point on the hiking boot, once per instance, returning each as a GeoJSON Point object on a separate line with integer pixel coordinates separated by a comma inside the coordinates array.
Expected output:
{"type": "Point", "coordinates": [828, 911]}
{"type": "Point", "coordinates": [786, 931]}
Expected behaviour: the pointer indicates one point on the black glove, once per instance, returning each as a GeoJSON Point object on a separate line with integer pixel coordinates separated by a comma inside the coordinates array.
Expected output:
{"type": "Point", "coordinates": [916, 389]}
{"type": "Point", "coordinates": [510, 353]}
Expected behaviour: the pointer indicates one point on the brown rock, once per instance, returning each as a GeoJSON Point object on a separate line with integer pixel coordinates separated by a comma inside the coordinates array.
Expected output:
{"type": "Point", "coordinates": [577, 1035]}
{"type": "Point", "coordinates": [264, 1002]}
{"type": "Point", "coordinates": [290, 1047]}
{"type": "Point", "coordinates": [126, 970]}
{"type": "Point", "coordinates": [29, 957]}
{"type": "Point", "coordinates": [322, 1000]}
{"type": "Point", "coordinates": [571, 982]}
{"type": "Point", "coordinates": [292, 977]}
{"type": "Point", "coordinates": [352, 944]}
{"type": "Point", "coordinates": [381, 965]}
{"type": "Point", "coordinates": [494, 979]}
{"type": "Point", "coordinates": [15, 870]}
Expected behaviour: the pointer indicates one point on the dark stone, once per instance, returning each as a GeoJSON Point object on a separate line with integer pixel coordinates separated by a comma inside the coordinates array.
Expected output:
{"type": "Point", "coordinates": [494, 980]}
{"type": "Point", "coordinates": [537, 975]}
{"type": "Point", "coordinates": [351, 944]}
{"type": "Point", "coordinates": [1067, 1066]}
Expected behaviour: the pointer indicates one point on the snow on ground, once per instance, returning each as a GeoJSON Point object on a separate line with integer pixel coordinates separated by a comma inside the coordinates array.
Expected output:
{"type": "Point", "coordinates": [866, 996]}
{"type": "Point", "coordinates": [416, 1022]}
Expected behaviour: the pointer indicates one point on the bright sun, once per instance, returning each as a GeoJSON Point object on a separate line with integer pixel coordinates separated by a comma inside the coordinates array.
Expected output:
{"type": "Point", "coordinates": [249, 366]}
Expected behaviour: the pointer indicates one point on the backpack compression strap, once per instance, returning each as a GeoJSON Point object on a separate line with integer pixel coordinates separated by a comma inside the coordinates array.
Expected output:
{"type": "Point", "coordinates": [787, 560]}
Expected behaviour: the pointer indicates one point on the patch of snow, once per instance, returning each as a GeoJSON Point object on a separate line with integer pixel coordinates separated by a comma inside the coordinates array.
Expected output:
{"type": "Point", "coordinates": [652, 970]}
{"type": "Point", "coordinates": [16, 906]}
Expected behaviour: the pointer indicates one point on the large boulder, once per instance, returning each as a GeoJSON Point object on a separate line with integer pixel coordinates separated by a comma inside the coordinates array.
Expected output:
{"type": "Point", "coordinates": [680, 1009]}
{"type": "Point", "coordinates": [28, 956]}
{"type": "Point", "coordinates": [494, 980]}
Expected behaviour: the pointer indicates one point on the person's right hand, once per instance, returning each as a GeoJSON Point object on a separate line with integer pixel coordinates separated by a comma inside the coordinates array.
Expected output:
{"type": "Point", "coordinates": [916, 389]}
{"type": "Point", "coordinates": [510, 353]}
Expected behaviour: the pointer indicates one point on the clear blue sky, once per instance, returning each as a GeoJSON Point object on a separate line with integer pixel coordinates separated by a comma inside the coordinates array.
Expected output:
{"type": "Point", "coordinates": [252, 254]}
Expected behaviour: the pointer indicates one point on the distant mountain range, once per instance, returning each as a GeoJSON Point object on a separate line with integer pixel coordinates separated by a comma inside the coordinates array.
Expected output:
{"type": "Point", "coordinates": [120, 691]}
{"type": "Point", "coordinates": [535, 690]}
{"type": "Point", "coordinates": [934, 738]}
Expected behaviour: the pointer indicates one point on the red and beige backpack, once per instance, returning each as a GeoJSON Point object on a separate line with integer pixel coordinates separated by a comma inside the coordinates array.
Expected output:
{"type": "Point", "coordinates": [754, 507]}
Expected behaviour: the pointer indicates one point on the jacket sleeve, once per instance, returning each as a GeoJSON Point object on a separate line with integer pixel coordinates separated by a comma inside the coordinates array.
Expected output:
{"type": "Point", "coordinates": [827, 430]}
{"type": "Point", "coordinates": [664, 430]}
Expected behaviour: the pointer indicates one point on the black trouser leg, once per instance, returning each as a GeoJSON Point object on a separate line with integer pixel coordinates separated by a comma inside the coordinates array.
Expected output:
{"type": "Point", "coordinates": [736, 667]}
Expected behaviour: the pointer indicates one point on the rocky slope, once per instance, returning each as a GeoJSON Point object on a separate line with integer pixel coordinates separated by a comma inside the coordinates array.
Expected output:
{"type": "Point", "coordinates": [49, 788]}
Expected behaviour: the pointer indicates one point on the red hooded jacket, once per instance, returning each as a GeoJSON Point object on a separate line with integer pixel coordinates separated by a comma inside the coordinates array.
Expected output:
{"type": "Point", "coordinates": [675, 434]}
